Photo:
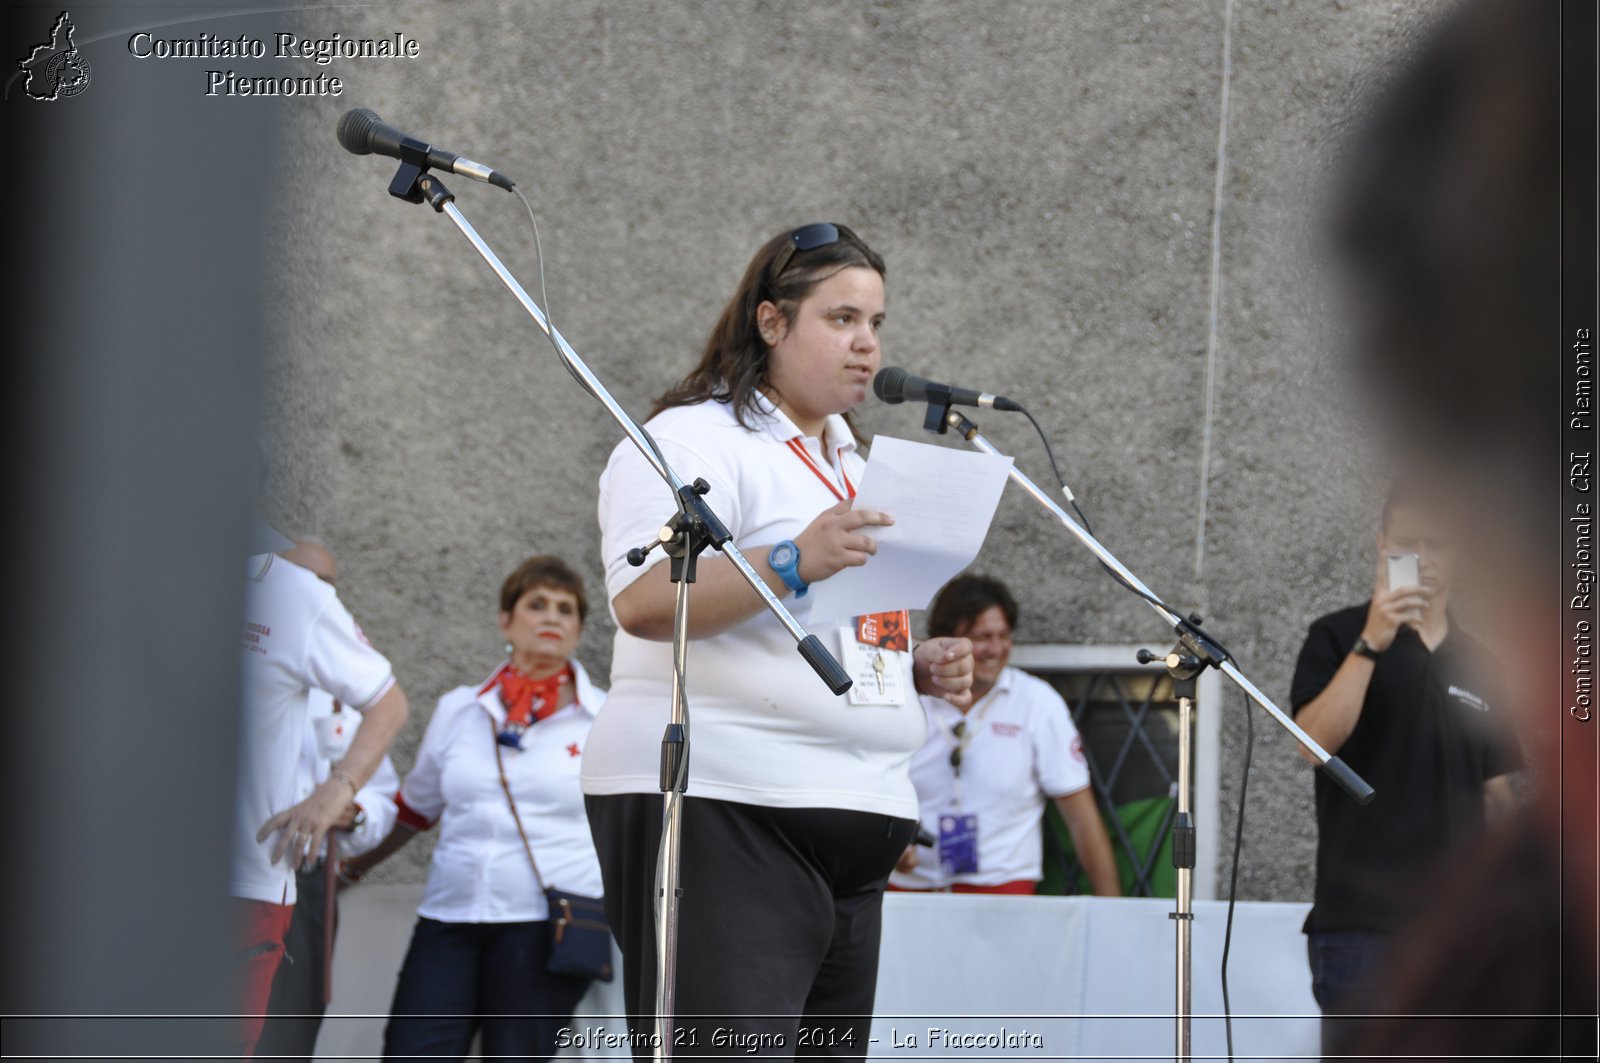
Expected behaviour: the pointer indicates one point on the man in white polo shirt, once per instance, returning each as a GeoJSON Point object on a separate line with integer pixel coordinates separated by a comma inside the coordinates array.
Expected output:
{"type": "Point", "coordinates": [297, 637]}
{"type": "Point", "coordinates": [302, 986]}
{"type": "Point", "coordinates": [984, 773]}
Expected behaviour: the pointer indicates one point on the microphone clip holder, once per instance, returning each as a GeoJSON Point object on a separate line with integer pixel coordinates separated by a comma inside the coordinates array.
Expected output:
{"type": "Point", "coordinates": [937, 418]}
{"type": "Point", "coordinates": [408, 181]}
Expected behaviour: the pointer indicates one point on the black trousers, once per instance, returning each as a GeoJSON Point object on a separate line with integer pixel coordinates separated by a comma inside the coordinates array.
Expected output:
{"type": "Point", "coordinates": [778, 928]}
{"type": "Point", "coordinates": [294, 1013]}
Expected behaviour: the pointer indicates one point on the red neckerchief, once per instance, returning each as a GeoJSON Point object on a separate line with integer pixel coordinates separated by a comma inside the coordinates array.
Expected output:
{"type": "Point", "coordinates": [798, 446]}
{"type": "Point", "coordinates": [528, 700]}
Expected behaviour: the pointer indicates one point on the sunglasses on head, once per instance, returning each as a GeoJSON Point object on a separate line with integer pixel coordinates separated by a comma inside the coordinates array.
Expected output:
{"type": "Point", "coordinates": [806, 238]}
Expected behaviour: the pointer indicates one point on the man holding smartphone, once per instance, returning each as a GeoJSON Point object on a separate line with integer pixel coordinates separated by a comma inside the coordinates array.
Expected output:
{"type": "Point", "coordinates": [1398, 691]}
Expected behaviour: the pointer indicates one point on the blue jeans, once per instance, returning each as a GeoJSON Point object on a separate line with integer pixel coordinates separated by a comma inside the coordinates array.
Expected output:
{"type": "Point", "coordinates": [459, 977]}
{"type": "Point", "coordinates": [1344, 965]}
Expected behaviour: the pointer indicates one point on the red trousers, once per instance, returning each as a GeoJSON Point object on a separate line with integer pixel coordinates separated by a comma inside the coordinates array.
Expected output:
{"type": "Point", "coordinates": [260, 927]}
{"type": "Point", "coordinates": [1021, 886]}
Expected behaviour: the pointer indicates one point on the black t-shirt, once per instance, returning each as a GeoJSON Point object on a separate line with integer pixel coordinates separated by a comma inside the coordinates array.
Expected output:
{"type": "Point", "coordinates": [1426, 740]}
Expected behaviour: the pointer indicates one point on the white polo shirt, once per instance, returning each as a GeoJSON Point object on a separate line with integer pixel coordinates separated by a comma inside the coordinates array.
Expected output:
{"type": "Point", "coordinates": [1021, 749]}
{"type": "Point", "coordinates": [297, 636]}
{"type": "Point", "coordinates": [480, 871]}
{"type": "Point", "coordinates": [765, 730]}
{"type": "Point", "coordinates": [376, 798]}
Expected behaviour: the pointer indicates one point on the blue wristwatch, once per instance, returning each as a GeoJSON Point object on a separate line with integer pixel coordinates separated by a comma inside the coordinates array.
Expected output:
{"type": "Point", "coordinates": [785, 561]}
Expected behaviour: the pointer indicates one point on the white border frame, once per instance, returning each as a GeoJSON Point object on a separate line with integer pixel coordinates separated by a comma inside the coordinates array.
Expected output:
{"type": "Point", "coordinates": [1059, 657]}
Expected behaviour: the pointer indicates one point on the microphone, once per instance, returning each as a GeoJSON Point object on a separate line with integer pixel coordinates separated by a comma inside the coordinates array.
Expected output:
{"type": "Point", "coordinates": [894, 385]}
{"type": "Point", "coordinates": [362, 132]}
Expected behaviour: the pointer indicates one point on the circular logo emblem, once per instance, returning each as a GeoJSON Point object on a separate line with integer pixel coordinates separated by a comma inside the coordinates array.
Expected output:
{"type": "Point", "coordinates": [68, 73]}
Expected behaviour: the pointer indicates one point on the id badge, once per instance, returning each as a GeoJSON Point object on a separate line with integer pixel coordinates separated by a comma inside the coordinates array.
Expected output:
{"type": "Point", "coordinates": [958, 844]}
{"type": "Point", "coordinates": [874, 657]}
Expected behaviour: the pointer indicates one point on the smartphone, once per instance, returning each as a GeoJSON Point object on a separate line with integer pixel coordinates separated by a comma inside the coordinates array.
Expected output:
{"type": "Point", "coordinates": [1403, 571]}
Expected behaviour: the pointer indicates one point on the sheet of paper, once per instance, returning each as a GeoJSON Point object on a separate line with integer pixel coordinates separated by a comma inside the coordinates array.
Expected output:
{"type": "Point", "coordinates": [942, 501]}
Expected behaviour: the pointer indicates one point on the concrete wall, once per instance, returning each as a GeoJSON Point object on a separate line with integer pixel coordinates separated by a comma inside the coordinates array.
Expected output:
{"type": "Point", "coordinates": [1040, 178]}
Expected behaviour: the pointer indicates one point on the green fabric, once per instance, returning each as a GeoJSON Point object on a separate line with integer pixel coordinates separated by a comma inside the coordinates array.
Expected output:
{"type": "Point", "coordinates": [1141, 820]}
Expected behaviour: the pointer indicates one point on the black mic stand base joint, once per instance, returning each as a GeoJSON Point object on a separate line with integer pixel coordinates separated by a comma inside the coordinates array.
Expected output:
{"type": "Point", "coordinates": [686, 536]}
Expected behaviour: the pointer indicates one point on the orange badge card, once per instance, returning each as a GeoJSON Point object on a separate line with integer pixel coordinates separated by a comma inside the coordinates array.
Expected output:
{"type": "Point", "coordinates": [887, 631]}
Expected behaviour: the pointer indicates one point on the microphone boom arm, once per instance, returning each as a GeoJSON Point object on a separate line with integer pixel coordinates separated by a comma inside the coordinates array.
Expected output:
{"type": "Point", "coordinates": [432, 191]}
{"type": "Point", "coordinates": [691, 529]}
{"type": "Point", "coordinates": [1207, 651]}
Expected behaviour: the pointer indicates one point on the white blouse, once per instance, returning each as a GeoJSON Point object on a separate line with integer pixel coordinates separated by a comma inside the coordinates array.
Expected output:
{"type": "Point", "coordinates": [480, 872]}
{"type": "Point", "coordinates": [766, 730]}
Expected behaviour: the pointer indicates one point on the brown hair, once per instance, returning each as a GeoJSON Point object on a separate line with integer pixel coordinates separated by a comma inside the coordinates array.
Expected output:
{"type": "Point", "coordinates": [961, 601]}
{"type": "Point", "coordinates": [733, 366]}
{"type": "Point", "coordinates": [543, 570]}
{"type": "Point", "coordinates": [1425, 489]}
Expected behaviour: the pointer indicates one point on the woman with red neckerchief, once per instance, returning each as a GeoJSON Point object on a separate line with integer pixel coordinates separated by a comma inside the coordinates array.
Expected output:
{"type": "Point", "coordinates": [480, 954]}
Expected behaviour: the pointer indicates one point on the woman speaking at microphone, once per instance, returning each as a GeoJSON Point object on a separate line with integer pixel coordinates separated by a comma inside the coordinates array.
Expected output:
{"type": "Point", "coordinates": [799, 802]}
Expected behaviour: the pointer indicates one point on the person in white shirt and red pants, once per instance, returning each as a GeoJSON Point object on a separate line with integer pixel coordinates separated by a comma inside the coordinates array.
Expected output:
{"type": "Point", "coordinates": [297, 637]}
{"type": "Point", "coordinates": [480, 954]}
{"type": "Point", "coordinates": [987, 769]}
{"type": "Point", "coordinates": [303, 985]}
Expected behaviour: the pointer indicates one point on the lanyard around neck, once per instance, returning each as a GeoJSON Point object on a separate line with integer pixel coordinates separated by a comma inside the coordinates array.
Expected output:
{"type": "Point", "coordinates": [799, 449]}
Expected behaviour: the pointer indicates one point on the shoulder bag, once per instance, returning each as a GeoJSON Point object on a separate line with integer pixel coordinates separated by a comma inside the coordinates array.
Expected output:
{"type": "Point", "coordinates": [580, 937]}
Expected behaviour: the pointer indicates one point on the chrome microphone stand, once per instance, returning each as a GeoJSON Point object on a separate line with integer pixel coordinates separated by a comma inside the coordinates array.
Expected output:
{"type": "Point", "coordinates": [1183, 668]}
{"type": "Point", "coordinates": [1194, 653]}
{"type": "Point", "coordinates": [691, 529]}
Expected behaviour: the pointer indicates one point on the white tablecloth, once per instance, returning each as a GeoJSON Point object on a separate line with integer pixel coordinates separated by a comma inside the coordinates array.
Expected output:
{"type": "Point", "coordinates": [1084, 977]}
{"type": "Point", "coordinates": [1017, 977]}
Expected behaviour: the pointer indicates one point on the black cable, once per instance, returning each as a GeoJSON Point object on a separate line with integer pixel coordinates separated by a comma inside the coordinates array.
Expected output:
{"type": "Point", "coordinates": [1055, 469]}
{"type": "Point", "coordinates": [550, 321]}
{"type": "Point", "coordinates": [544, 296]}
{"type": "Point", "coordinates": [655, 448]}
{"type": "Point", "coordinates": [1113, 573]}
{"type": "Point", "coordinates": [1249, 742]}
{"type": "Point", "coordinates": [1233, 879]}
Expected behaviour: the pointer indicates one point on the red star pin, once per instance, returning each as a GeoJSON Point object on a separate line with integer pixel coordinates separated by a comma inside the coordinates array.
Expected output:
{"type": "Point", "coordinates": [572, 749]}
